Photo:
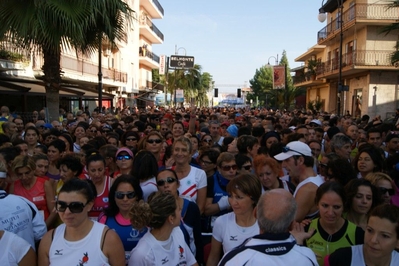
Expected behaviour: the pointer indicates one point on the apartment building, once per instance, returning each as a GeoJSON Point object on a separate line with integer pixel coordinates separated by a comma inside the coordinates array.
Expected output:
{"type": "Point", "coordinates": [125, 67]}
{"type": "Point", "coordinates": [369, 80]}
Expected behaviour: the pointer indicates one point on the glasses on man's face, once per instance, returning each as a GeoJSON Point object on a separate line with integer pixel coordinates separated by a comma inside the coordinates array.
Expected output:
{"type": "Point", "coordinates": [247, 167]}
{"type": "Point", "coordinates": [323, 165]}
{"type": "Point", "coordinates": [152, 141]}
{"type": "Point", "coordinates": [228, 167]}
{"type": "Point", "coordinates": [287, 149]}
{"type": "Point", "coordinates": [121, 157]}
{"type": "Point", "coordinates": [169, 180]}
{"type": "Point", "coordinates": [131, 139]}
{"type": "Point", "coordinates": [121, 195]}
{"type": "Point", "coordinates": [384, 190]}
{"type": "Point", "coordinates": [106, 131]}
{"type": "Point", "coordinates": [93, 131]}
{"type": "Point", "coordinates": [74, 207]}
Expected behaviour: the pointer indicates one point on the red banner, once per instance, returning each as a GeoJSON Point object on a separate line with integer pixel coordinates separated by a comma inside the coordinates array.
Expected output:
{"type": "Point", "coordinates": [278, 77]}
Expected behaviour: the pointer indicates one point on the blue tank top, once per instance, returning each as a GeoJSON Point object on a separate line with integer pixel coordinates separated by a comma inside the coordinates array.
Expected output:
{"type": "Point", "coordinates": [129, 235]}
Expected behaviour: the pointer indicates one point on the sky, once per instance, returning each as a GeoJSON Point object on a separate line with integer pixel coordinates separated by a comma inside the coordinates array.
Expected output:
{"type": "Point", "coordinates": [230, 39]}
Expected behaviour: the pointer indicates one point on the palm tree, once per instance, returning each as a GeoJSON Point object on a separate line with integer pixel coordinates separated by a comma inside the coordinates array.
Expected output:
{"type": "Point", "coordinates": [54, 25]}
{"type": "Point", "coordinates": [390, 28]}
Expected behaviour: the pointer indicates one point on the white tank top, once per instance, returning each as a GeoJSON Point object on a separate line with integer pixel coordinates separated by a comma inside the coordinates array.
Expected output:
{"type": "Point", "coordinates": [317, 180]}
{"type": "Point", "coordinates": [358, 257]}
{"type": "Point", "coordinates": [86, 251]}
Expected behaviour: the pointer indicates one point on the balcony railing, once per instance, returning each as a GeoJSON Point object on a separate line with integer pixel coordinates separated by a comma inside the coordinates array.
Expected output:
{"type": "Point", "coordinates": [361, 58]}
{"type": "Point", "coordinates": [158, 5]}
{"type": "Point", "coordinates": [144, 52]}
{"type": "Point", "coordinates": [358, 12]}
{"type": "Point", "coordinates": [83, 67]}
{"type": "Point", "coordinates": [13, 52]}
{"type": "Point", "coordinates": [151, 25]}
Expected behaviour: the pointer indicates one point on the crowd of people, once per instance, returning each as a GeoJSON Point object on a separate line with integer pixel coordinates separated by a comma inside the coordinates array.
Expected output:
{"type": "Point", "coordinates": [188, 186]}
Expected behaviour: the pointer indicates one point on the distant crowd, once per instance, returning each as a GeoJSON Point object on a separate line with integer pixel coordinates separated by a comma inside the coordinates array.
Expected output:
{"type": "Point", "coordinates": [198, 186]}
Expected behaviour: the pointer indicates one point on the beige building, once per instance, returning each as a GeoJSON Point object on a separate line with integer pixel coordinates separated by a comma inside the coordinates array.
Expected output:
{"type": "Point", "coordinates": [366, 70]}
{"type": "Point", "coordinates": [126, 69]}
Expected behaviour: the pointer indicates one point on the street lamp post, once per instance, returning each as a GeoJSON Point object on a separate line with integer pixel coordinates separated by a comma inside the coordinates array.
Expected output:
{"type": "Point", "coordinates": [322, 17]}
{"type": "Point", "coordinates": [100, 75]}
{"type": "Point", "coordinates": [176, 53]}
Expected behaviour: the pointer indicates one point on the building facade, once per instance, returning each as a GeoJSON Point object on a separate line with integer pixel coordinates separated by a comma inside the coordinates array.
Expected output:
{"type": "Point", "coordinates": [370, 80]}
{"type": "Point", "coordinates": [125, 67]}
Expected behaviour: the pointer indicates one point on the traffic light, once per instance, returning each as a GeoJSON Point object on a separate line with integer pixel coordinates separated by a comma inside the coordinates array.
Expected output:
{"type": "Point", "coordinates": [238, 93]}
{"type": "Point", "coordinates": [216, 92]}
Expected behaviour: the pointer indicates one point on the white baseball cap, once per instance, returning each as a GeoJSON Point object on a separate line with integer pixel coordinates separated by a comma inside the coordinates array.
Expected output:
{"type": "Point", "coordinates": [294, 148]}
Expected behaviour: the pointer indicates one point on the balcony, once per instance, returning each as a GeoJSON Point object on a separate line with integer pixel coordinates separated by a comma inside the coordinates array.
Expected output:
{"type": "Point", "coordinates": [84, 68]}
{"type": "Point", "coordinates": [153, 8]}
{"type": "Point", "coordinates": [304, 80]}
{"type": "Point", "coordinates": [150, 31]}
{"type": "Point", "coordinates": [361, 15]}
{"type": "Point", "coordinates": [148, 58]}
{"type": "Point", "coordinates": [355, 62]}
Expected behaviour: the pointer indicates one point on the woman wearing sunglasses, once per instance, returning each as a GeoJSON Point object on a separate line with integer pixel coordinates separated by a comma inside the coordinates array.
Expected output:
{"type": "Point", "coordinates": [217, 202]}
{"type": "Point", "coordinates": [384, 184]}
{"type": "Point", "coordinates": [380, 241]}
{"type": "Point", "coordinates": [191, 219]}
{"type": "Point", "coordinates": [153, 143]}
{"type": "Point", "coordinates": [164, 244]}
{"type": "Point", "coordinates": [79, 240]}
{"type": "Point", "coordinates": [95, 165]}
{"type": "Point", "coordinates": [231, 229]}
{"type": "Point", "coordinates": [123, 193]}
{"type": "Point", "coordinates": [206, 141]}
{"type": "Point", "coordinates": [124, 160]}
{"type": "Point", "coordinates": [192, 180]}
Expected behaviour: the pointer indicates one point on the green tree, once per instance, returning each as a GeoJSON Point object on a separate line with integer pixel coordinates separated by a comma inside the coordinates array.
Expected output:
{"type": "Point", "coordinates": [394, 27]}
{"type": "Point", "coordinates": [54, 25]}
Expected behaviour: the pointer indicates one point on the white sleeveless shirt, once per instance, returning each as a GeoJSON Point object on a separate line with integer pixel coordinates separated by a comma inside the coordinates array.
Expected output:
{"type": "Point", "coordinates": [358, 256]}
{"type": "Point", "coordinates": [86, 251]}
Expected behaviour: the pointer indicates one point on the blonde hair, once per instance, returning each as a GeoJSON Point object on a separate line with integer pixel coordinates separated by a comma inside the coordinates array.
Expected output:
{"type": "Point", "coordinates": [374, 178]}
{"type": "Point", "coordinates": [23, 161]}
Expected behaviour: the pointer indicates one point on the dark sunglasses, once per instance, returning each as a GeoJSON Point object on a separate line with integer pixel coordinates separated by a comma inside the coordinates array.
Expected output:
{"type": "Point", "coordinates": [168, 180]}
{"type": "Point", "coordinates": [121, 157]}
{"type": "Point", "coordinates": [247, 167]}
{"type": "Point", "coordinates": [93, 131]}
{"type": "Point", "coordinates": [154, 141]}
{"type": "Point", "coordinates": [287, 149]}
{"type": "Point", "coordinates": [121, 195]}
{"type": "Point", "coordinates": [384, 190]}
{"type": "Point", "coordinates": [207, 140]}
{"type": "Point", "coordinates": [206, 162]}
{"type": "Point", "coordinates": [228, 167]}
{"type": "Point", "coordinates": [74, 207]}
{"type": "Point", "coordinates": [131, 139]}
{"type": "Point", "coordinates": [106, 131]}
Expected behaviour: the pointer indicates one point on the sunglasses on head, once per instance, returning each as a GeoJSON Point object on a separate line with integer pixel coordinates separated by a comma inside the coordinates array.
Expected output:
{"type": "Point", "coordinates": [168, 180]}
{"type": "Point", "coordinates": [121, 157]}
{"type": "Point", "coordinates": [247, 167]}
{"type": "Point", "coordinates": [74, 207]}
{"type": "Point", "coordinates": [384, 190]}
{"type": "Point", "coordinates": [228, 167]}
{"type": "Point", "coordinates": [154, 141]}
{"type": "Point", "coordinates": [121, 195]}
{"type": "Point", "coordinates": [131, 139]}
{"type": "Point", "coordinates": [287, 149]}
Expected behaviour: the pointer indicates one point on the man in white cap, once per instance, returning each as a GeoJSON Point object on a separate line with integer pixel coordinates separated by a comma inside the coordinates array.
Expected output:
{"type": "Point", "coordinates": [298, 161]}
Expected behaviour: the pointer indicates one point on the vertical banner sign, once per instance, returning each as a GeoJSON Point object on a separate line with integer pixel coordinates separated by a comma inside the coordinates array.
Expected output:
{"type": "Point", "coordinates": [278, 77]}
{"type": "Point", "coordinates": [179, 96]}
{"type": "Point", "coordinates": [162, 64]}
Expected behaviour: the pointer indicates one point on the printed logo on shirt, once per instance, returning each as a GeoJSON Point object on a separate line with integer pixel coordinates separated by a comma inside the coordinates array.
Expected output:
{"type": "Point", "coordinates": [105, 199]}
{"type": "Point", "coordinates": [165, 260]}
{"type": "Point", "coordinates": [58, 252]}
{"type": "Point", "coordinates": [84, 260]}
{"type": "Point", "coordinates": [181, 252]}
{"type": "Point", "coordinates": [134, 233]}
{"type": "Point", "coordinates": [233, 238]}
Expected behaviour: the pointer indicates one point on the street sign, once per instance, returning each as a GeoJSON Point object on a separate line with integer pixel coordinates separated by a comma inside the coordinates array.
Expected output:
{"type": "Point", "coordinates": [162, 64]}
{"type": "Point", "coordinates": [179, 61]}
